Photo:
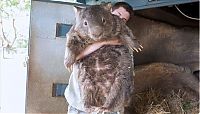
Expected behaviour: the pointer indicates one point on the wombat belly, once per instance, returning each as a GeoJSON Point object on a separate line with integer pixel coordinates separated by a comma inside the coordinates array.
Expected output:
{"type": "Point", "coordinates": [100, 69]}
{"type": "Point", "coordinates": [104, 64]}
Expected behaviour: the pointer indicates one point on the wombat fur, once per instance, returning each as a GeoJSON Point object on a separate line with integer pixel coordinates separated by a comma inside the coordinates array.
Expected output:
{"type": "Point", "coordinates": [163, 79]}
{"type": "Point", "coordinates": [106, 78]}
{"type": "Point", "coordinates": [106, 75]}
{"type": "Point", "coordinates": [96, 23]}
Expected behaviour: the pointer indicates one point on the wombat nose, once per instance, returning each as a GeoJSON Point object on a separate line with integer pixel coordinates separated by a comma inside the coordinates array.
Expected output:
{"type": "Point", "coordinates": [97, 34]}
{"type": "Point", "coordinates": [96, 31]}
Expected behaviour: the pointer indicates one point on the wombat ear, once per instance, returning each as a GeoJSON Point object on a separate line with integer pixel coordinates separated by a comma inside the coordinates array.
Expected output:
{"type": "Point", "coordinates": [77, 9]}
{"type": "Point", "coordinates": [107, 6]}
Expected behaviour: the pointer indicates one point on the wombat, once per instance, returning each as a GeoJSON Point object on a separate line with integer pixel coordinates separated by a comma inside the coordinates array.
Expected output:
{"type": "Point", "coordinates": [106, 75]}
{"type": "Point", "coordinates": [166, 43]}
{"type": "Point", "coordinates": [96, 23]}
{"type": "Point", "coordinates": [155, 83]}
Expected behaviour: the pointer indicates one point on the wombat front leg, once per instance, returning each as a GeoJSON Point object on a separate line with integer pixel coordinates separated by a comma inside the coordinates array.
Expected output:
{"type": "Point", "coordinates": [73, 46]}
{"type": "Point", "coordinates": [69, 54]}
{"type": "Point", "coordinates": [134, 45]}
{"type": "Point", "coordinates": [69, 57]}
{"type": "Point", "coordinates": [129, 39]}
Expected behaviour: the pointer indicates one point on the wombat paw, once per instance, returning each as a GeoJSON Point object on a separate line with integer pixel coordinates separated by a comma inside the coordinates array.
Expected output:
{"type": "Point", "coordinates": [69, 62]}
{"type": "Point", "coordinates": [137, 47]}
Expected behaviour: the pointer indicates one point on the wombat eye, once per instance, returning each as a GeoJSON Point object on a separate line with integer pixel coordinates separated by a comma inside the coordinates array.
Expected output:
{"type": "Point", "coordinates": [103, 20]}
{"type": "Point", "coordinates": [85, 23]}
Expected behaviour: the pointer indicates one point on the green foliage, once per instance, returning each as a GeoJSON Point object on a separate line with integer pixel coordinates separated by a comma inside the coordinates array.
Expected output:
{"type": "Point", "coordinates": [22, 43]}
{"type": "Point", "coordinates": [12, 10]}
{"type": "Point", "coordinates": [27, 5]}
{"type": "Point", "coordinates": [13, 2]}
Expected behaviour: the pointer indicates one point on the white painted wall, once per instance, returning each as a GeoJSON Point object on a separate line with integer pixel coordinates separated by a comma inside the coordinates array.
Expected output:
{"type": "Point", "coordinates": [13, 71]}
{"type": "Point", "coordinates": [13, 85]}
{"type": "Point", "coordinates": [0, 77]}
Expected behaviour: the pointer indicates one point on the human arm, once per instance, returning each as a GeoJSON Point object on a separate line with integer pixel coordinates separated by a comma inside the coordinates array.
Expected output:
{"type": "Point", "coordinates": [95, 46]}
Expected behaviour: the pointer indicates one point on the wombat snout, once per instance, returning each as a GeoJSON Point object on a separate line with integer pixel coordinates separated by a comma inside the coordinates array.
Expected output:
{"type": "Point", "coordinates": [96, 35]}
{"type": "Point", "coordinates": [96, 32]}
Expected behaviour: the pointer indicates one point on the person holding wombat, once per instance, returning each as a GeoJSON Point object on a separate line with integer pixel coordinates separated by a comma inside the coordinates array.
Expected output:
{"type": "Point", "coordinates": [73, 92]}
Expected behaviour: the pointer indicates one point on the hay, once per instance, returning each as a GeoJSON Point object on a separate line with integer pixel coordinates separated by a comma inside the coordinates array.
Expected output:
{"type": "Point", "coordinates": [153, 102]}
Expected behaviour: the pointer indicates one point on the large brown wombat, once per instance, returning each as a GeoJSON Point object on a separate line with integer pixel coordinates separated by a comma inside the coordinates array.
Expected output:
{"type": "Point", "coordinates": [96, 23]}
{"type": "Point", "coordinates": [106, 75]}
{"type": "Point", "coordinates": [166, 86]}
{"type": "Point", "coordinates": [166, 43]}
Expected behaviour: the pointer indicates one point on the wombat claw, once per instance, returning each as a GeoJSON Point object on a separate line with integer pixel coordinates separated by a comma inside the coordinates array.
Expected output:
{"type": "Point", "coordinates": [135, 49]}
{"type": "Point", "coordinates": [141, 46]}
{"type": "Point", "coordinates": [70, 68]}
{"type": "Point", "coordinates": [138, 49]}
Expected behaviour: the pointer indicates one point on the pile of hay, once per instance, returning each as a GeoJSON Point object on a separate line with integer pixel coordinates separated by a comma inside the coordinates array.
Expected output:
{"type": "Point", "coordinates": [164, 88]}
{"type": "Point", "coordinates": [153, 102]}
